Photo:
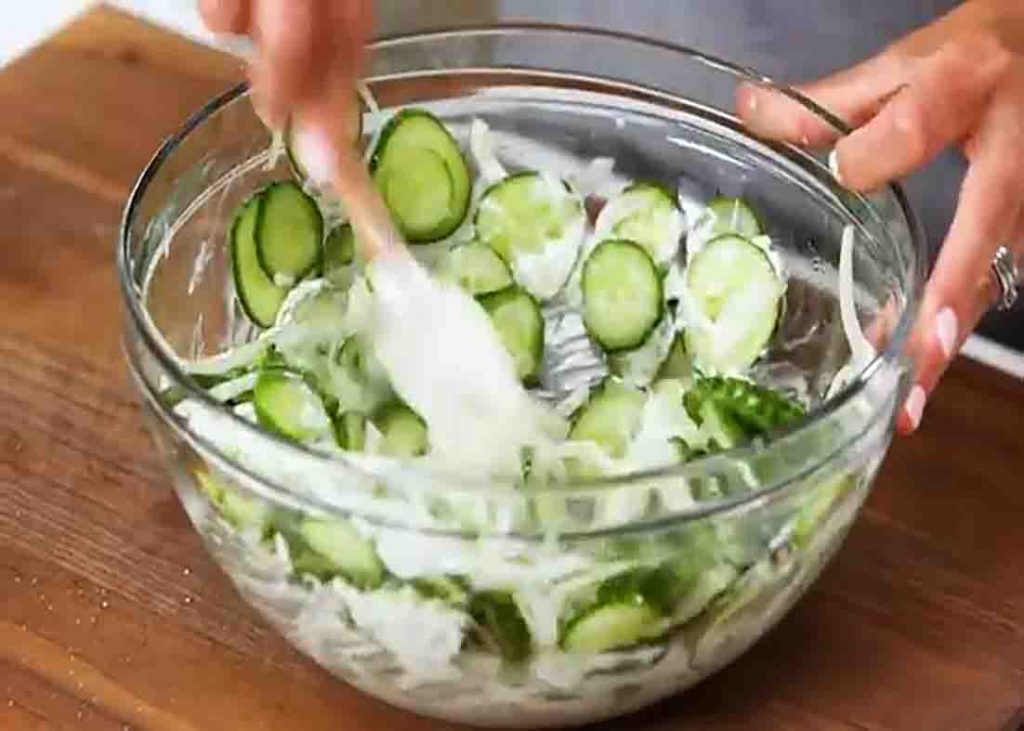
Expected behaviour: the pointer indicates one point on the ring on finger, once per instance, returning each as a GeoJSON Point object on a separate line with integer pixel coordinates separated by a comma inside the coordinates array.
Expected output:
{"type": "Point", "coordinates": [1008, 276]}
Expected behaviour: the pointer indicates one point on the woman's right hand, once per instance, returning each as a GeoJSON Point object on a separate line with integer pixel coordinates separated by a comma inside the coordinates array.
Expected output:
{"type": "Point", "coordinates": [309, 54]}
{"type": "Point", "coordinates": [958, 81]}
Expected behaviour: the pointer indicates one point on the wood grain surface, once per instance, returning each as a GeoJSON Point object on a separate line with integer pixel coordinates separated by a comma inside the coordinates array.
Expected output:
{"type": "Point", "coordinates": [113, 617]}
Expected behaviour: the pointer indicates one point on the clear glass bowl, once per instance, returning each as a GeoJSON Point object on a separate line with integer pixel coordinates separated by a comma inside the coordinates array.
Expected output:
{"type": "Point", "coordinates": [774, 512]}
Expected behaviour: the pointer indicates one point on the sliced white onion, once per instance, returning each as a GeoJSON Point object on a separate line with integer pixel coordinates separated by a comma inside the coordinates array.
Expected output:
{"type": "Point", "coordinates": [861, 350]}
{"type": "Point", "coordinates": [481, 145]}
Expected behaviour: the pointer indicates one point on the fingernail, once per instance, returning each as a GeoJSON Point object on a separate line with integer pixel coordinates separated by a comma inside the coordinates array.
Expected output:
{"type": "Point", "coordinates": [914, 406]}
{"type": "Point", "coordinates": [946, 328]}
{"type": "Point", "coordinates": [752, 102]}
{"type": "Point", "coordinates": [313, 147]}
{"type": "Point", "coordinates": [805, 140]}
{"type": "Point", "coordinates": [833, 165]}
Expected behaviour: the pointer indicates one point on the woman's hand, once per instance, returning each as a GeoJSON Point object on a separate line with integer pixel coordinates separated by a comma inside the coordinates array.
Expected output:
{"type": "Point", "coordinates": [309, 54]}
{"type": "Point", "coordinates": [959, 81]}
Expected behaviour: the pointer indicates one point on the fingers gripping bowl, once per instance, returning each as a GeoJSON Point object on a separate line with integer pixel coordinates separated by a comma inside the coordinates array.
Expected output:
{"type": "Point", "coordinates": [703, 474]}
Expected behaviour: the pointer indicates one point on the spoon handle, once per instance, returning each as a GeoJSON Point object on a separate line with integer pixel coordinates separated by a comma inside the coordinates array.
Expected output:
{"type": "Point", "coordinates": [375, 232]}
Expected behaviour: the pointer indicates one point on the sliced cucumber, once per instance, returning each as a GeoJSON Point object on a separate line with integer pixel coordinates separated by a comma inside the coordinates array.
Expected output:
{"type": "Point", "coordinates": [289, 233]}
{"type": "Point", "coordinates": [737, 295]}
{"type": "Point", "coordinates": [350, 431]}
{"type": "Point", "coordinates": [476, 268]}
{"type": "Point", "coordinates": [357, 377]}
{"type": "Point", "coordinates": [535, 223]}
{"type": "Point", "coordinates": [452, 590]}
{"type": "Point", "coordinates": [339, 249]}
{"type": "Point", "coordinates": [613, 627]}
{"type": "Point", "coordinates": [356, 359]}
{"type": "Point", "coordinates": [731, 410]}
{"type": "Point", "coordinates": [647, 214]}
{"type": "Point", "coordinates": [422, 175]}
{"type": "Point", "coordinates": [733, 216]}
{"type": "Point", "coordinates": [622, 295]}
{"type": "Point", "coordinates": [326, 548]}
{"type": "Point", "coordinates": [500, 625]}
{"type": "Point", "coordinates": [610, 417]}
{"type": "Point", "coordinates": [289, 406]}
{"type": "Point", "coordinates": [240, 511]}
{"type": "Point", "coordinates": [817, 505]}
{"type": "Point", "coordinates": [520, 325]}
{"type": "Point", "coordinates": [259, 296]}
{"type": "Point", "coordinates": [403, 432]}
{"type": "Point", "coordinates": [353, 357]}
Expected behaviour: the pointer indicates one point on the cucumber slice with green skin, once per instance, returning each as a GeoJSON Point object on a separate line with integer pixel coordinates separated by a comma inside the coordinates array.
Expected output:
{"type": "Point", "coordinates": [326, 548]}
{"type": "Point", "coordinates": [733, 410]}
{"type": "Point", "coordinates": [356, 358]}
{"type": "Point", "coordinates": [259, 296]}
{"type": "Point", "coordinates": [610, 418]}
{"type": "Point", "coordinates": [339, 249]}
{"type": "Point", "coordinates": [477, 269]}
{"type": "Point", "coordinates": [403, 432]}
{"type": "Point", "coordinates": [614, 626]}
{"type": "Point", "coordinates": [289, 233]}
{"type": "Point", "coordinates": [422, 175]}
{"type": "Point", "coordinates": [520, 325]}
{"type": "Point", "coordinates": [536, 223]}
{"type": "Point", "coordinates": [357, 376]}
{"type": "Point", "coordinates": [817, 506]}
{"type": "Point", "coordinates": [622, 295]}
{"type": "Point", "coordinates": [287, 405]}
{"type": "Point", "coordinates": [733, 216]}
{"type": "Point", "coordinates": [353, 356]}
{"type": "Point", "coordinates": [656, 587]}
{"type": "Point", "coordinates": [736, 297]}
{"type": "Point", "coordinates": [500, 625]}
{"type": "Point", "coordinates": [350, 431]}
{"type": "Point", "coordinates": [647, 214]}
{"type": "Point", "coordinates": [452, 590]}
{"type": "Point", "coordinates": [240, 511]}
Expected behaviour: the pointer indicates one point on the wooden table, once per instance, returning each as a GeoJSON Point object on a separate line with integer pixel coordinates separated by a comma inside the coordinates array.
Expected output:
{"type": "Point", "coordinates": [112, 616]}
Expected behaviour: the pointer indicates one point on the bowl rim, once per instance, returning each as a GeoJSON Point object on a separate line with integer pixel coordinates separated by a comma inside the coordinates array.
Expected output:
{"type": "Point", "coordinates": [156, 347]}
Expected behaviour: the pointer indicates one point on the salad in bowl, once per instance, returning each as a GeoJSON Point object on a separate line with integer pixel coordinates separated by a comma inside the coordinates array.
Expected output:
{"type": "Point", "coordinates": [681, 305]}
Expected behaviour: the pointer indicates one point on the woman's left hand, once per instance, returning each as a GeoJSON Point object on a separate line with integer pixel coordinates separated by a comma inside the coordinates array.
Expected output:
{"type": "Point", "coordinates": [959, 80]}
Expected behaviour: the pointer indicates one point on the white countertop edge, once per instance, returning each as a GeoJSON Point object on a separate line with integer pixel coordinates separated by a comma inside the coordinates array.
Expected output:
{"type": "Point", "coordinates": [984, 350]}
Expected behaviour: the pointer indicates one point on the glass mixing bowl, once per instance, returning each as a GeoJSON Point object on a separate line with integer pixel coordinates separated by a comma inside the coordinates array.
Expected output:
{"type": "Point", "coordinates": [466, 623]}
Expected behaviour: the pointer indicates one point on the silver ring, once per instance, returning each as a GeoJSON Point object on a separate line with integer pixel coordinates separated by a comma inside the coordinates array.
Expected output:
{"type": "Point", "coordinates": [1008, 277]}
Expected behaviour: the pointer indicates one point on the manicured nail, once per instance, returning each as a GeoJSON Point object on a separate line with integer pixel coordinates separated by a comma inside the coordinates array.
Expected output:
{"type": "Point", "coordinates": [752, 102]}
{"type": "Point", "coordinates": [914, 406]}
{"type": "Point", "coordinates": [946, 328]}
{"type": "Point", "coordinates": [833, 165]}
{"type": "Point", "coordinates": [313, 147]}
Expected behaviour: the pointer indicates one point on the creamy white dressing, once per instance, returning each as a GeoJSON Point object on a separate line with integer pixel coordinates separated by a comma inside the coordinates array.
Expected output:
{"type": "Point", "coordinates": [640, 366]}
{"type": "Point", "coordinates": [663, 419]}
{"type": "Point", "coordinates": [445, 360]}
{"type": "Point", "coordinates": [424, 636]}
{"type": "Point", "coordinates": [544, 273]}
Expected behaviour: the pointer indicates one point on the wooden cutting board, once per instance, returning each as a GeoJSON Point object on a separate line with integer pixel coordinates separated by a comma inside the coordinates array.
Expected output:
{"type": "Point", "coordinates": [113, 617]}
